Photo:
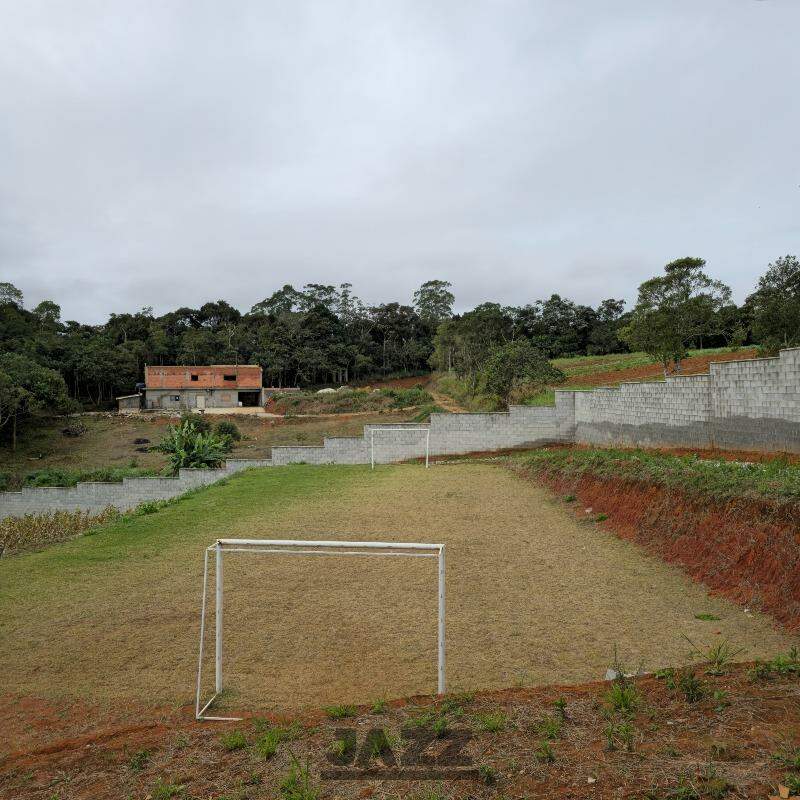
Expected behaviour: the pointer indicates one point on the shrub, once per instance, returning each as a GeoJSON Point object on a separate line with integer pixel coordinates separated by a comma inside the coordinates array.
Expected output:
{"type": "Point", "coordinates": [622, 697]}
{"type": "Point", "coordinates": [235, 740]}
{"type": "Point", "coordinates": [380, 706]}
{"type": "Point", "coordinates": [200, 421]}
{"type": "Point", "coordinates": [54, 476]}
{"type": "Point", "coordinates": [403, 398]}
{"type": "Point", "coordinates": [341, 711]}
{"type": "Point", "coordinates": [229, 429]}
{"type": "Point", "coordinates": [297, 784]}
{"type": "Point", "coordinates": [186, 446]}
{"type": "Point", "coordinates": [491, 722]}
{"type": "Point", "coordinates": [693, 689]}
{"type": "Point", "coordinates": [33, 531]}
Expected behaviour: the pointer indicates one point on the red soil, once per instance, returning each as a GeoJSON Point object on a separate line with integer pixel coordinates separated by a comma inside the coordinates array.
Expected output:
{"type": "Point", "coordinates": [745, 550]}
{"type": "Point", "coordinates": [696, 365]}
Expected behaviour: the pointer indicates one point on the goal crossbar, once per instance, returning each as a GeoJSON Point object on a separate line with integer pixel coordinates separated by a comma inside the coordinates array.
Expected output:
{"type": "Point", "coordinates": [403, 428]}
{"type": "Point", "coordinates": [304, 547]}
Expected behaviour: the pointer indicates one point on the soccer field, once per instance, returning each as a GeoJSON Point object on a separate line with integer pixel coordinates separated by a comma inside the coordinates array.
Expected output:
{"type": "Point", "coordinates": [533, 596]}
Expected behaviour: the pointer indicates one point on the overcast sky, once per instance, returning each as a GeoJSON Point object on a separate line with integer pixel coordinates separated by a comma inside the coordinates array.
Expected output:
{"type": "Point", "coordinates": [168, 153]}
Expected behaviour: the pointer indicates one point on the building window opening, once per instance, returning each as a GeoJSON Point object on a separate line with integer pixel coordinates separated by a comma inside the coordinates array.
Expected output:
{"type": "Point", "coordinates": [195, 377]}
{"type": "Point", "coordinates": [229, 377]}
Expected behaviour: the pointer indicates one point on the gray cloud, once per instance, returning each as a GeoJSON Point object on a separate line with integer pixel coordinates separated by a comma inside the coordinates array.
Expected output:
{"type": "Point", "coordinates": [166, 153]}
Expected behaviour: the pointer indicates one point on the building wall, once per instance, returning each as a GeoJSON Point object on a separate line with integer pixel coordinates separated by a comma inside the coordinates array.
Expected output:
{"type": "Point", "coordinates": [127, 405]}
{"type": "Point", "coordinates": [95, 497]}
{"type": "Point", "coordinates": [247, 376]}
{"type": "Point", "coordinates": [187, 398]}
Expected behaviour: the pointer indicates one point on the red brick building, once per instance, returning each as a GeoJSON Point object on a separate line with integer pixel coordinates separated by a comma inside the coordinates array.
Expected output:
{"type": "Point", "coordinates": [216, 386]}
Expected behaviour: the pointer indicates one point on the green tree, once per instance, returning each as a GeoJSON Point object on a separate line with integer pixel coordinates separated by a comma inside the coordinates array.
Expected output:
{"type": "Point", "coordinates": [518, 368]}
{"type": "Point", "coordinates": [10, 294]}
{"type": "Point", "coordinates": [775, 305]}
{"type": "Point", "coordinates": [675, 309]}
{"type": "Point", "coordinates": [433, 302]}
{"type": "Point", "coordinates": [27, 387]}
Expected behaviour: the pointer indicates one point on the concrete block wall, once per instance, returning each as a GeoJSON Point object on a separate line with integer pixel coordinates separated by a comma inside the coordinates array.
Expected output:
{"type": "Point", "coordinates": [752, 404]}
{"type": "Point", "coordinates": [670, 413]}
{"type": "Point", "coordinates": [450, 434]}
{"type": "Point", "coordinates": [94, 497]}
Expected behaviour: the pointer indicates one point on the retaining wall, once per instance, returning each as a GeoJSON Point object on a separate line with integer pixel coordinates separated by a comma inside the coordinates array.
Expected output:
{"type": "Point", "coordinates": [744, 405]}
{"type": "Point", "coordinates": [94, 497]}
{"type": "Point", "coordinates": [739, 405]}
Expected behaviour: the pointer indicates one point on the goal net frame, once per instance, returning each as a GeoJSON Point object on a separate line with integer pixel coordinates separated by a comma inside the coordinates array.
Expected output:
{"type": "Point", "coordinates": [307, 548]}
{"type": "Point", "coordinates": [409, 428]}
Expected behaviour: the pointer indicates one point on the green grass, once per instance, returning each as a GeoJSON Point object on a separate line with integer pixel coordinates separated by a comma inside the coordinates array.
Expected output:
{"type": "Point", "coordinates": [72, 477]}
{"type": "Point", "coordinates": [193, 520]}
{"type": "Point", "coordinates": [591, 365]}
{"type": "Point", "coordinates": [774, 480]}
{"type": "Point", "coordinates": [341, 711]}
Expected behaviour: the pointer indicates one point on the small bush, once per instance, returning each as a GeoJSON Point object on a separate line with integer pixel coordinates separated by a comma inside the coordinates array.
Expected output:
{"type": "Point", "coordinates": [488, 774]}
{"type": "Point", "coordinates": [549, 728]}
{"type": "Point", "coordinates": [342, 749]}
{"type": "Point", "coordinates": [623, 697]}
{"type": "Point", "coordinates": [235, 740]}
{"type": "Point", "coordinates": [166, 791]}
{"type": "Point", "coordinates": [440, 727]}
{"type": "Point", "coordinates": [297, 784]}
{"type": "Point", "coordinates": [229, 429]}
{"type": "Point", "coordinates": [380, 706]}
{"type": "Point", "coordinates": [139, 760]}
{"type": "Point", "coordinates": [187, 446]}
{"type": "Point", "coordinates": [693, 689]}
{"type": "Point", "coordinates": [492, 722]}
{"type": "Point", "coordinates": [544, 753]}
{"type": "Point", "coordinates": [341, 711]}
{"type": "Point", "coordinates": [403, 398]}
{"type": "Point", "coordinates": [267, 745]}
{"type": "Point", "coordinates": [201, 423]}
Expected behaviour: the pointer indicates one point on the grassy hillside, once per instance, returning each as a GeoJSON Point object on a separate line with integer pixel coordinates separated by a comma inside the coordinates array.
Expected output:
{"type": "Point", "coordinates": [588, 372]}
{"type": "Point", "coordinates": [109, 442]}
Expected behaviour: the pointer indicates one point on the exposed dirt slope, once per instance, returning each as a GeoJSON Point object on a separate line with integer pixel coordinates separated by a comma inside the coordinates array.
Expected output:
{"type": "Point", "coordinates": [738, 738]}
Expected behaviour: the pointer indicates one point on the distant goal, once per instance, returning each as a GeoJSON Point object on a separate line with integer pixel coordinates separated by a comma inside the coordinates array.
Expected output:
{"type": "Point", "coordinates": [416, 430]}
{"type": "Point", "coordinates": [303, 547]}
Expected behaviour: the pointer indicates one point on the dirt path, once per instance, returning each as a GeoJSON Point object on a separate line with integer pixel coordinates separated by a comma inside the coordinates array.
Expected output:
{"type": "Point", "coordinates": [534, 597]}
{"type": "Point", "coordinates": [444, 401]}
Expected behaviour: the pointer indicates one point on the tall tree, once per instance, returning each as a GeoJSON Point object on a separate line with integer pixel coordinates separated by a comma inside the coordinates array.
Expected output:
{"type": "Point", "coordinates": [433, 302]}
{"type": "Point", "coordinates": [674, 309]}
{"type": "Point", "coordinates": [775, 305]}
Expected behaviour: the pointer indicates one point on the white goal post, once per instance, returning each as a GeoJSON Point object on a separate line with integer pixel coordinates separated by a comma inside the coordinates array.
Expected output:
{"type": "Point", "coordinates": [381, 428]}
{"type": "Point", "coordinates": [309, 548]}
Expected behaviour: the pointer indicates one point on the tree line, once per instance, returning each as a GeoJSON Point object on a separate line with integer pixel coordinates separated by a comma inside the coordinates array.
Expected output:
{"type": "Point", "coordinates": [326, 334]}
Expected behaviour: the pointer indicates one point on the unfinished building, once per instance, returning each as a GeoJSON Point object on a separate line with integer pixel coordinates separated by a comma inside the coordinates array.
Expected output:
{"type": "Point", "coordinates": [216, 386]}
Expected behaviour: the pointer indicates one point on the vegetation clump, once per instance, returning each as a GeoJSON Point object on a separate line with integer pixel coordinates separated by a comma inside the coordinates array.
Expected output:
{"type": "Point", "coordinates": [34, 531]}
{"type": "Point", "coordinates": [776, 479]}
{"type": "Point", "coordinates": [187, 446]}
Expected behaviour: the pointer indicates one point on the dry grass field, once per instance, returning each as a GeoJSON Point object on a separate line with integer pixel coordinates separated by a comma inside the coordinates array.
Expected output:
{"type": "Point", "coordinates": [534, 596]}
